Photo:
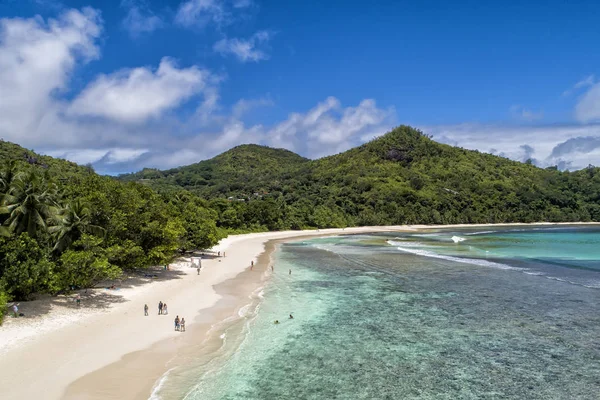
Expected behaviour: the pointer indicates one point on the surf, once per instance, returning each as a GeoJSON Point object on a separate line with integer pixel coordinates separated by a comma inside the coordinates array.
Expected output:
{"type": "Point", "coordinates": [472, 261]}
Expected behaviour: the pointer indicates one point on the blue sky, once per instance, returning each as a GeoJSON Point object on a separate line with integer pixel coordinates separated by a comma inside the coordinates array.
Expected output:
{"type": "Point", "coordinates": [140, 83]}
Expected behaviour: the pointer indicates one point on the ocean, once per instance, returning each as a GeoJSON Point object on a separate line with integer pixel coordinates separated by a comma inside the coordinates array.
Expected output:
{"type": "Point", "coordinates": [508, 313]}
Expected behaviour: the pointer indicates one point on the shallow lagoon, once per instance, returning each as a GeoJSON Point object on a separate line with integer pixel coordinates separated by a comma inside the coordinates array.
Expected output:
{"type": "Point", "coordinates": [505, 314]}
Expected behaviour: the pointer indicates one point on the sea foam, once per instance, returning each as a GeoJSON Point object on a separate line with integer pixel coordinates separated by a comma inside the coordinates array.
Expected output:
{"type": "Point", "coordinates": [482, 263]}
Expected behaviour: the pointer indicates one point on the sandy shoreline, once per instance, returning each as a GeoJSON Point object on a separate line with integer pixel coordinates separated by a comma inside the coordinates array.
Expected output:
{"type": "Point", "coordinates": [62, 351]}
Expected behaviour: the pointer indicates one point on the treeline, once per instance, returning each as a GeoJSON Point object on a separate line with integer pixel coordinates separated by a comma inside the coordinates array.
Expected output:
{"type": "Point", "coordinates": [63, 227]}
{"type": "Point", "coordinates": [403, 177]}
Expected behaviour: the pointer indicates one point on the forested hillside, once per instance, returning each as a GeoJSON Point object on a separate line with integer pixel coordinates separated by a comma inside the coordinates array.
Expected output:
{"type": "Point", "coordinates": [242, 170]}
{"type": "Point", "coordinates": [401, 177]}
{"type": "Point", "coordinates": [63, 226]}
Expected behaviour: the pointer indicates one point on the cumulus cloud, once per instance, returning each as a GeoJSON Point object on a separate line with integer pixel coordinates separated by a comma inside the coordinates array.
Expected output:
{"type": "Point", "coordinates": [328, 128]}
{"type": "Point", "coordinates": [140, 19]}
{"type": "Point", "coordinates": [244, 50]}
{"type": "Point", "coordinates": [580, 144]}
{"type": "Point", "coordinates": [113, 122]}
{"type": "Point", "coordinates": [527, 152]}
{"type": "Point", "coordinates": [90, 156]}
{"type": "Point", "coordinates": [138, 94]}
{"type": "Point", "coordinates": [36, 61]}
{"type": "Point", "coordinates": [202, 12]}
{"type": "Point", "coordinates": [562, 145]}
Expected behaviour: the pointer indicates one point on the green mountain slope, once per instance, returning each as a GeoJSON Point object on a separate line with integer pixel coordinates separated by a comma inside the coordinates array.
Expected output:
{"type": "Point", "coordinates": [244, 169]}
{"type": "Point", "coordinates": [10, 151]}
{"type": "Point", "coordinates": [63, 226]}
{"type": "Point", "coordinates": [401, 177]}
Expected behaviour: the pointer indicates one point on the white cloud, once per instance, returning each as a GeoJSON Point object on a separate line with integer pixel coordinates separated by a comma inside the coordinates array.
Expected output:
{"type": "Point", "coordinates": [36, 60]}
{"type": "Point", "coordinates": [90, 156]}
{"type": "Point", "coordinates": [588, 105]}
{"type": "Point", "coordinates": [113, 123]}
{"type": "Point", "coordinates": [115, 156]}
{"type": "Point", "coordinates": [140, 19]}
{"type": "Point", "coordinates": [81, 156]}
{"type": "Point", "coordinates": [551, 144]}
{"type": "Point", "coordinates": [328, 128]}
{"type": "Point", "coordinates": [244, 49]}
{"type": "Point", "coordinates": [138, 94]}
{"type": "Point", "coordinates": [202, 12]}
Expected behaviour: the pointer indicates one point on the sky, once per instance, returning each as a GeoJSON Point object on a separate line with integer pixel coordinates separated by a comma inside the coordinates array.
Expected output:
{"type": "Point", "coordinates": [128, 84]}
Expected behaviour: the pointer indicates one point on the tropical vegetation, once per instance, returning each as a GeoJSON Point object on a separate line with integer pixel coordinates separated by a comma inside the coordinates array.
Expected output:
{"type": "Point", "coordinates": [63, 226]}
{"type": "Point", "coordinates": [403, 177]}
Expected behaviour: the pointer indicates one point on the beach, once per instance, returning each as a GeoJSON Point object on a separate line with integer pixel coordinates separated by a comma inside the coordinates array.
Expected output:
{"type": "Point", "coordinates": [108, 349]}
{"type": "Point", "coordinates": [40, 356]}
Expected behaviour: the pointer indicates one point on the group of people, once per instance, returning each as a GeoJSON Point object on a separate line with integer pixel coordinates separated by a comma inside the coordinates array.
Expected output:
{"type": "Point", "coordinates": [163, 310]}
{"type": "Point", "coordinates": [179, 324]}
{"type": "Point", "coordinates": [277, 321]}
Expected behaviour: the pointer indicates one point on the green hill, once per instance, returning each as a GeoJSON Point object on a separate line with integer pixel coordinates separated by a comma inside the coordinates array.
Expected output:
{"type": "Point", "coordinates": [245, 169]}
{"type": "Point", "coordinates": [401, 177]}
{"type": "Point", "coordinates": [62, 226]}
{"type": "Point", "coordinates": [56, 166]}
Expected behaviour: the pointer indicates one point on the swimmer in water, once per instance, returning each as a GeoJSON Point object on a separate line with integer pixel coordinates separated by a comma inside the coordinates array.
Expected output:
{"type": "Point", "coordinates": [291, 316]}
{"type": "Point", "coordinates": [276, 322]}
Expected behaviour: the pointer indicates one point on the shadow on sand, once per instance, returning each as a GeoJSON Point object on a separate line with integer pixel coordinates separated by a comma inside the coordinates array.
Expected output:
{"type": "Point", "coordinates": [105, 293]}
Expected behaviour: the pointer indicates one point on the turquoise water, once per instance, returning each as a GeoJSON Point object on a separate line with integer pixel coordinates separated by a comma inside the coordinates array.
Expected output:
{"type": "Point", "coordinates": [511, 314]}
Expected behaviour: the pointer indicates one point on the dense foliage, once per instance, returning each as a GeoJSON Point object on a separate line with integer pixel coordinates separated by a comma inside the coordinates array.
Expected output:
{"type": "Point", "coordinates": [403, 177]}
{"type": "Point", "coordinates": [63, 226]}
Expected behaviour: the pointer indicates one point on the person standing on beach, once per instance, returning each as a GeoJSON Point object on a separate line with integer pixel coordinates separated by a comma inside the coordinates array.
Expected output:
{"type": "Point", "coordinates": [146, 309]}
{"type": "Point", "coordinates": [251, 265]}
{"type": "Point", "coordinates": [198, 270]}
{"type": "Point", "coordinates": [272, 268]}
{"type": "Point", "coordinates": [160, 306]}
{"type": "Point", "coordinates": [182, 325]}
{"type": "Point", "coordinates": [164, 310]}
{"type": "Point", "coordinates": [15, 310]}
{"type": "Point", "coordinates": [177, 323]}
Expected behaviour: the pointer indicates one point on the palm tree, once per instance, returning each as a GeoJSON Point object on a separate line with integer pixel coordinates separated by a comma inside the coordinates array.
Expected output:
{"type": "Point", "coordinates": [7, 178]}
{"type": "Point", "coordinates": [28, 203]}
{"type": "Point", "coordinates": [70, 222]}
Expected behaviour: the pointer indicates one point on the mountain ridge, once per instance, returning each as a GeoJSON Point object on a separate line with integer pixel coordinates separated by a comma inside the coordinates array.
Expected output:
{"type": "Point", "coordinates": [406, 177]}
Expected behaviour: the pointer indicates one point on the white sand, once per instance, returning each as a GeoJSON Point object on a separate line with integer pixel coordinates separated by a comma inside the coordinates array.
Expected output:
{"type": "Point", "coordinates": [41, 355]}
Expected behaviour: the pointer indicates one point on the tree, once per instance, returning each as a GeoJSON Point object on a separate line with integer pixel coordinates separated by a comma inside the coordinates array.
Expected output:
{"type": "Point", "coordinates": [24, 267]}
{"type": "Point", "coordinates": [8, 175]}
{"type": "Point", "coordinates": [200, 227]}
{"type": "Point", "coordinates": [70, 223]}
{"type": "Point", "coordinates": [29, 202]}
{"type": "Point", "coordinates": [85, 264]}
